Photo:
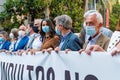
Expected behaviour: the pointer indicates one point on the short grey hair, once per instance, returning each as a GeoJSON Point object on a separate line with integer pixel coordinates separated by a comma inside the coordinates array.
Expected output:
{"type": "Point", "coordinates": [4, 33]}
{"type": "Point", "coordinates": [94, 12]}
{"type": "Point", "coordinates": [65, 20]}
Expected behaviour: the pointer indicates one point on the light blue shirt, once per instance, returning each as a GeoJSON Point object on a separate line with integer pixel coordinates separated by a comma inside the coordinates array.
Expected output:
{"type": "Point", "coordinates": [63, 39]}
{"type": "Point", "coordinates": [17, 42]}
{"type": "Point", "coordinates": [107, 32]}
{"type": "Point", "coordinates": [1, 44]}
{"type": "Point", "coordinates": [92, 41]}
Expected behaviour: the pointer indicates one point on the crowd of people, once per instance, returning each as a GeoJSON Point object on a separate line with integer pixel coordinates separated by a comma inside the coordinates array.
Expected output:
{"type": "Point", "coordinates": [42, 35]}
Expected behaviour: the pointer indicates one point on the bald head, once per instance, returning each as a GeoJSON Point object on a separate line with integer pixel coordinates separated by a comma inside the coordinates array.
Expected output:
{"type": "Point", "coordinates": [22, 27]}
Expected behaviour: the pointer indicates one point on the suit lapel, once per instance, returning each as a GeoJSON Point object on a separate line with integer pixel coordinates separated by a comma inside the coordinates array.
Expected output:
{"type": "Point", "coordinates": [66, 41]}
{"type": "Point", "coordinates": [85, 45]}
{"type": "Point", "coordinates": [100, 40]}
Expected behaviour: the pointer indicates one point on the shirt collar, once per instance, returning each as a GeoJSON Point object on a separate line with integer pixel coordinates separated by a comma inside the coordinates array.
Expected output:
{"type": "Point", "coordinates": [96, 37]}
{"type": "Point", "coordinates": [65, 35]}
{"type": "Point", "coordinates": [32, 35]}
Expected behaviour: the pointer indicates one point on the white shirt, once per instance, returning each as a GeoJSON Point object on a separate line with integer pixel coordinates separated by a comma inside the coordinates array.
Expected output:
{"type": "Point", "coordinates": [92, 41]}
{"type": "Point", "coordinates": [113, 41]}
{"type": "Point", "coordinates": [37, 42]}
{"type": "Point", "coordinates": [11, 47]}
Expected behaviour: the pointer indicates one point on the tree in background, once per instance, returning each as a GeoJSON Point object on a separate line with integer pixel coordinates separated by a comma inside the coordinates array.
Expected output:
{"type": "Point", "coordinates": [16, 11]}
{"type": "Point", "coordinates": [72, 8]}
{"type": "Point", "coordinates": [114, 16]}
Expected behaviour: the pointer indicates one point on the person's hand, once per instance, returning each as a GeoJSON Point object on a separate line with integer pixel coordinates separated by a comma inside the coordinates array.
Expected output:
{"type": "Point", "coordinates": [95, 48]}
{"type": "Point", "coordinates": [20, 52]}
{"type": "Point", "coordinates": [115, 51]}
{"type": "Point", "coordinates": [67, 50]}
{"type": "Point", "coordinates": [49, 50]}
{"type": "Point", "coordinates": [57, 49]}
{"type": "Point", "coordinates": [84, 51]}
{"type": "Point", "coordinates": [43, 50]}
{"type": "Point", "coordinates": [81, 50]}
{"type": "Point", "coordinates": [27, 51]}
{"type": "Point", "coordinates": [33, 51]}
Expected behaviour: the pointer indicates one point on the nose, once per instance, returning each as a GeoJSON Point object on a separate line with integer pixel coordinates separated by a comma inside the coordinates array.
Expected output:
{"type": "Point", "coordinates": [87, 24]}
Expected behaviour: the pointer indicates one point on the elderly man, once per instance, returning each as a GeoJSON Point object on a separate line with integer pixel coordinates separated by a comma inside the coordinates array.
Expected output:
{"type": "Point", "coordinates": [22, 38]}
{"type": "Point", "coordinates": [105, 31]}
{"type": "Point", "coordinates": [94, 22]}
{"type": "Point", "coordinates": [68, 40]}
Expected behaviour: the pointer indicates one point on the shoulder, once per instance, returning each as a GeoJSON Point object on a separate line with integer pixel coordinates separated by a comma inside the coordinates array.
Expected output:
{"type": "Point", "coordinates": [7, 42]}
{"type": "Point", "coordinates": [107, 32]}
{"type": "Point", "coordinates": [103, 37]}
{"type": "Point", "coordinates": [25, 37]}
{"type": "Point", "coordinates": [74, 37]}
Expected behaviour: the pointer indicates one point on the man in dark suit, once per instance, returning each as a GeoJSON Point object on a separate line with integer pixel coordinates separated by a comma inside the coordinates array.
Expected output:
{"type": "Point", "coordinates": [4, 43]}
{"type": "Point", "coordinates": [68, 40]}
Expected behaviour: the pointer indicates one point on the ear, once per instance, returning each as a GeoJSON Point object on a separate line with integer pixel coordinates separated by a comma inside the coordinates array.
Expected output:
{"type": "Point", "coordinates": [100, 24]}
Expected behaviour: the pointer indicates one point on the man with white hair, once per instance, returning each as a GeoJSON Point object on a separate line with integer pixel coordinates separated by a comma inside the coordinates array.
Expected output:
{"type": "Point", "coordinates": [105, 31]}
{"type": "Point", "coordinates": [22, 39]}
{"type": "Point", "coordinates": [93, 24]}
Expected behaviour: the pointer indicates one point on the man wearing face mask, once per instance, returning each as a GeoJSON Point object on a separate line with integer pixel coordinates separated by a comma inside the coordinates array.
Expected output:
{"type": "Point", "coordinates": [22, 39]}
{"type": "Point", "coordinates": [105, 31]}
{"type": "Point", "coordinates": [37, 23]}
{"type": "Point", "coordinates": [94, 22]}
{"type": "Point", "coordinates": [69, 40]}
{"type": "Point", "coordinates": [4, 43]}
{"type": "Point", "coordinates": [35, 41]}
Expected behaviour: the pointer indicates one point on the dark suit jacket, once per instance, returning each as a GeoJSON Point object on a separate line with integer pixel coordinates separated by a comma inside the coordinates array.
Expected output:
{"type": "Point", "coordinates": [72, 42]}
{"type": "Point", "coordinates": [6, 45]}
{"type": "Point", "coordinates": [102, 41]}
{"type": "Point", "coordinates": [22, 43]}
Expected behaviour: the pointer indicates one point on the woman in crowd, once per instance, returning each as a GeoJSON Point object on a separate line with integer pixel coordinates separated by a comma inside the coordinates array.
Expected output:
{"type": "Point", "coordinates": [13, 38]}
{"type": "Point", "coordinates": [48, 35]}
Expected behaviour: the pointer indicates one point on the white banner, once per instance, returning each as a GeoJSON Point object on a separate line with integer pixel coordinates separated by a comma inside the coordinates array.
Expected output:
{"type": "Point", "coordinates": [61, 66]}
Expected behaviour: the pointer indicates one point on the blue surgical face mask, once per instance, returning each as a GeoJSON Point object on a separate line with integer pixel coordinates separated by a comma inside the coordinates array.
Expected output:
{"type": "Point", "coordinates": [45, 29]}
{"type": "Point", "coordinates": [27, 32]}
{"type": "Point", "coordinates": [57, 31]}
{"type": "Point", "coordinates": [90, 30]}
{"type": "Point", "coordinates": [1, 40]}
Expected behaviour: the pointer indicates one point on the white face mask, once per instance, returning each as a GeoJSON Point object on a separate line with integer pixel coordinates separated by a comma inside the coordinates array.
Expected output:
{"type": "Point", "coordinates": [21, 33]}
{"type": "Point", "coordinates": [11, 35]}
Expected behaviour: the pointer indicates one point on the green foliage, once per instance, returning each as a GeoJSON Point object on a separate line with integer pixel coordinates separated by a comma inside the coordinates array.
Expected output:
{"type": "Point", "coordinates": [20, 7]}
{"type": "Point", "coordinates": [69, 7]}
{"type": "Point", "coordinates": [114, 16]}
{"type": "Point", "coordinates": [36, 9]}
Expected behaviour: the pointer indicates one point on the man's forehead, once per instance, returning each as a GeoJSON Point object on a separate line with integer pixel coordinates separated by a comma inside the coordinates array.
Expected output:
{"type": "Point", "coordinates": [90, 18]}
{"type": "Point", "coordinates": [22, 27]}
